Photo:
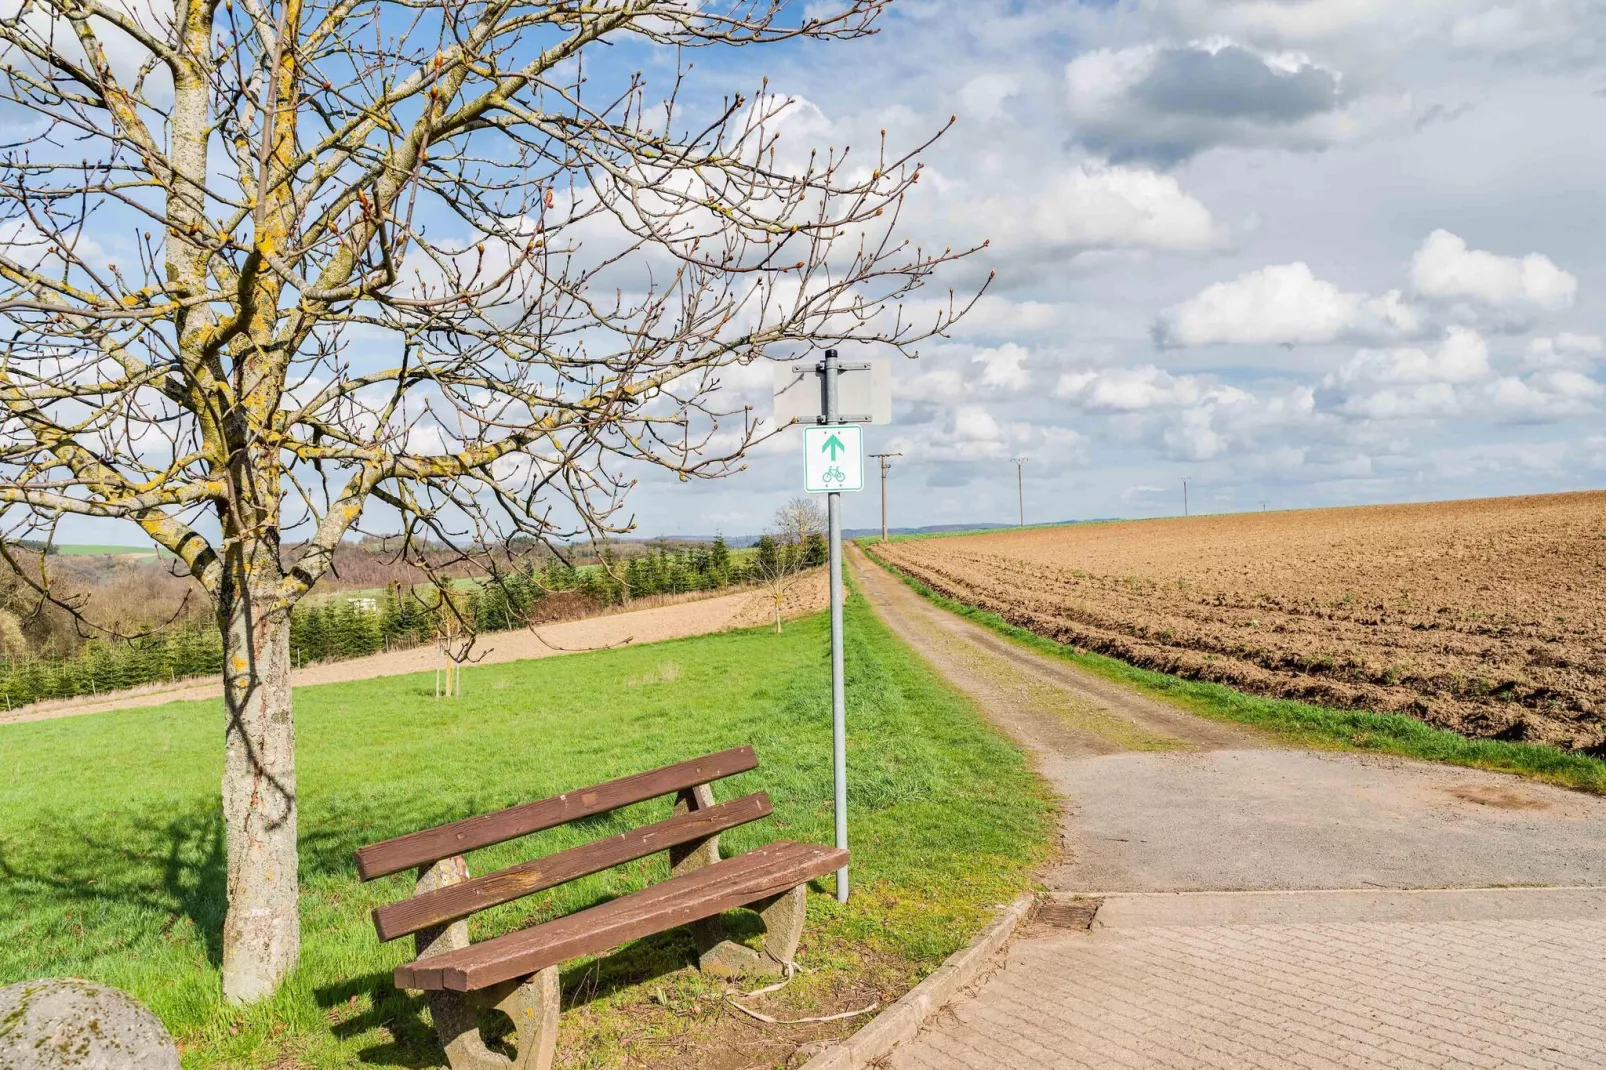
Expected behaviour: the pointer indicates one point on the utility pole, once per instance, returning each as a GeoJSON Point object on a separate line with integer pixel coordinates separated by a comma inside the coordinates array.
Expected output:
{"type": "Point", "coordinates": [1262, 507]}
{"type": "Point", "coordinates": [885, 465]}
{"type": "Point", "coordinates": [1020, 487]}
{"type": "Point", "coordinates": [1184, 497]}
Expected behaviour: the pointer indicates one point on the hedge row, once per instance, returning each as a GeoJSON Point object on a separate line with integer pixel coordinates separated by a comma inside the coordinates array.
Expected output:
{"type": "Point", "coordinates": [341, 628]}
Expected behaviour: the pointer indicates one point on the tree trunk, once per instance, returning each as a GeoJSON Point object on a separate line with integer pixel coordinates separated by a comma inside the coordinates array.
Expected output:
{"type": "Point", "coordinates": [262, 933]}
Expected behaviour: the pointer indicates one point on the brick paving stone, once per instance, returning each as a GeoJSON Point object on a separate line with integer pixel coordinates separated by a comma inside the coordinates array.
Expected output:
{"type": "Point", "coordinates": [1496, 993]}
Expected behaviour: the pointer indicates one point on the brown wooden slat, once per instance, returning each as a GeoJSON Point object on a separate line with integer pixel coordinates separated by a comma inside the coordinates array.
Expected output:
{"type": "Point", "coordinates": [432, 845]}
{"type": "Point", "coordinates": [723, 886]}
{"type": "Point", "coordinates": [504, 886]}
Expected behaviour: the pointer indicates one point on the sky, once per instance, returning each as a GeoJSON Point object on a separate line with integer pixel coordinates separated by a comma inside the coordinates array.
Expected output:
{"type": "Point", "coordinates": [1298, 253]}
{"type": "Point", "coordinates": [1301, 253]}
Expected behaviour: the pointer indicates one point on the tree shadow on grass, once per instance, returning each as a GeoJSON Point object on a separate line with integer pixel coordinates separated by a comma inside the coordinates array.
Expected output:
{"type": "Point", "coordinates": [401, 1015]}
{"type": "Point", "coordinates": [412, 1041]}
{"type": "Point", "coordinates": [175, 868]}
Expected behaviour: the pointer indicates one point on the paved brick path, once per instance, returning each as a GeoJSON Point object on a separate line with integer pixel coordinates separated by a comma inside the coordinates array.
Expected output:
{"type": "Point", "coordinates": [1401, 979]}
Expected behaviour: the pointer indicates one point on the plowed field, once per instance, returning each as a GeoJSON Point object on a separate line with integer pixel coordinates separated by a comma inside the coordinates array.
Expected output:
{"type": "Point", "coordinates": [1488, 616]}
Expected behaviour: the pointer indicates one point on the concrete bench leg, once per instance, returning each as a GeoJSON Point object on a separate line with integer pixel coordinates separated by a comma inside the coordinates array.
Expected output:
{"type": "Point", "coordinates": [782, 914]}
{"type": "Point", "coordinates": [531, 1005]}
{"type": "Point", "coordinates": [783, 927]}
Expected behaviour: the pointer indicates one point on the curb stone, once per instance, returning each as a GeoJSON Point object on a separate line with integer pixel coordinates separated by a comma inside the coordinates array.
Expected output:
{"type": "Point", "coordinates": [904, 1018]}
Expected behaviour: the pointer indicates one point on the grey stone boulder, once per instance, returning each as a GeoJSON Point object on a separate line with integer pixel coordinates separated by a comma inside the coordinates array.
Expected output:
{"type": "Point", "coordinates": [68, 1024]}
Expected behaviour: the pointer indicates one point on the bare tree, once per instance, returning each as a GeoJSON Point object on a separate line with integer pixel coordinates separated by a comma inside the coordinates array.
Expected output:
{"type": "Point", "coordinates": [794, 544]}
{"type": "Point", "coordinates": [273, 274]}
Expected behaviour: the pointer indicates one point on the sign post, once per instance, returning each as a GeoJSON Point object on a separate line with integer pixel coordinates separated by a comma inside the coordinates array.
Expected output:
{"type": "Point", "coordinates": [833, 463]}
{"type": "Point", "coordinates": [839, 713]}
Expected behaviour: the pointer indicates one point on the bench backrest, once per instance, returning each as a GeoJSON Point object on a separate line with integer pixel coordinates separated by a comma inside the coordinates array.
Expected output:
{"type": "Point", "coordinates": [698, 822]}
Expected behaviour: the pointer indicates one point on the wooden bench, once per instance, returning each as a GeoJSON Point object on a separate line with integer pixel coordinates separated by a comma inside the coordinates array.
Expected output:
{"type": "Point", "coordinates": [517, 973]}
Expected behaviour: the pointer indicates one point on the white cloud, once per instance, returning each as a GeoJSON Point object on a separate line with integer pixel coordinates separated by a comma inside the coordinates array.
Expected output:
{"type": "Point", "coordinates": [1229, 419]}
{"type": "Point", "coordinates": [974, 424]}
{"type": "Point", "coordinates": [1401, 402]}
{"type": "Point", "coordinates": [957, 372]}
{"type": "Point", "coordinates": [1001, 367]}
{"type": "Point", "coordinates": [964, 434]}
{"type": "Point", "coordinates": [1462, 357]}
{"type": "Point", "coordinates": [33, 249]}
{"type": "Point", "coordinates": [1575, 351]}
{"type": "Point", "coordinates": [425, 438]}
{"type": "Point", "coordinates": [1283, 20]}
{"type": "Point", "coordinates": [1128, 389]}
{"type": "Point", "coordinates": [1288, 304]}
{"type": "Point", "coordinates": [995, 315]}
{"type": "Point", "coordinates": [1456, 380]}
{"type": "Point", "coordinates": [939, 384]}
{"type": "Point", "coordinates": [1444, 267]}
{"type": "Point", "coordinates": [983, 96]}
{"type": "Point", "coordinates": [1557, 33]}
{"type": "Point", "coordinates": [1143, 494]}
{"type": "Point", "coordinates": [1100, 206]}
{"type": "Point", "coordinates": [1281, 304]}
{"type": "Point", "coordinates": [1544, 396]}
{"type": "Point", "coordinates": [1391, 384]}
{"type": "Point", "coordinates": [1187, 416]}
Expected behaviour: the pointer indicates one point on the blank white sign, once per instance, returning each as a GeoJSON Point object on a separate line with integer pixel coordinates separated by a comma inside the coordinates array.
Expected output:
{"type": "Point", "coordinates": [863, 396]}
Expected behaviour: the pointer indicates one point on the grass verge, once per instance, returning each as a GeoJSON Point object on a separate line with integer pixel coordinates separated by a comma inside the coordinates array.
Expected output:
{"type": "Point", "coordinates": [1300, 722]}
{"type": "Point", "coordinates": [111, 863]}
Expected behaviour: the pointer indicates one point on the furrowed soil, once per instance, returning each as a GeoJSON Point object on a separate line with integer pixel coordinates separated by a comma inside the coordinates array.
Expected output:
{"type": "Point", "coordinates": [1487, 617]}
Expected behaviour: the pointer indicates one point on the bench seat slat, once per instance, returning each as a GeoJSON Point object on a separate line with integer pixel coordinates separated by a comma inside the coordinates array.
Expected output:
{"type": "Point", "coordinates": [735, 882]}
{"type": "Point", "coordinates": [459, 837]}
{"type": "Point", "coordinates": [460, 900]}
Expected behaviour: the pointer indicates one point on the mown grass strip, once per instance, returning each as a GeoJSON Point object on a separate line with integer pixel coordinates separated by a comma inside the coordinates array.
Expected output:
{"type": "Point", "coordinates": [1300, 722]}
{"type": "Point", "coordinates": [111, 860]}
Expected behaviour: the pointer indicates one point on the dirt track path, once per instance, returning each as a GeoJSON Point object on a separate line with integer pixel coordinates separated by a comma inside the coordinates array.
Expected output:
{"type": "Point", "coordinates": [1268, 906]}
{"type": "Point", "coordinates": [700, 616]}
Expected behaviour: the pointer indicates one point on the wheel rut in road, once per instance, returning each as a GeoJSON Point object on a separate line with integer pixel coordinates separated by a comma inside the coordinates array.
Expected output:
{"type": "Point", "coordinates": [1264, 905]}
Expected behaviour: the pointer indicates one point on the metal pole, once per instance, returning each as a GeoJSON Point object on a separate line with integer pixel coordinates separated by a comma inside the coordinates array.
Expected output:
{"type": "Point", "coordinates": [839, 731]}
{"type": "Point", "coordinates": [1184, 497]}
{"type": "Point", "coordinates": [1020, 486]}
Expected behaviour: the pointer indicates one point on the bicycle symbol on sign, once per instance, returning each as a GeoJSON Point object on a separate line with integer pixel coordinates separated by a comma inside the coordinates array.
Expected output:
{"type": "Point", "coordinates": [833, 474]}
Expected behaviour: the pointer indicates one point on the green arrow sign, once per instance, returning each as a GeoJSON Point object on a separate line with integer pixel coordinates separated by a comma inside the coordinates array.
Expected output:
{"type": "Point", "coordinates": [833, 458]}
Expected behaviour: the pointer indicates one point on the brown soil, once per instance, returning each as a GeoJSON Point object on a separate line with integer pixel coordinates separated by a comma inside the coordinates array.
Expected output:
{"type": "Point", "coordinates": [1488, 617]}
{"type": "Point", "coordinates": [1499, 798]}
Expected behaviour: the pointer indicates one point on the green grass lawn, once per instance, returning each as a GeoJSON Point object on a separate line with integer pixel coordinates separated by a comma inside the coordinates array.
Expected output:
{"type": "Point", "coordinates": [1300, 722]}
{"type": "Point", "coordinates": [111, 863]}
